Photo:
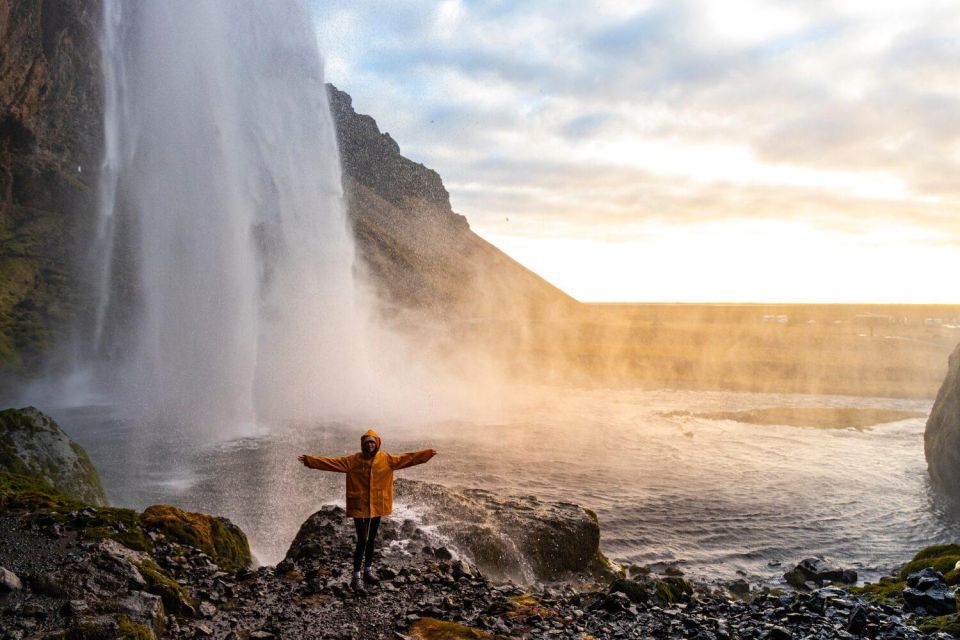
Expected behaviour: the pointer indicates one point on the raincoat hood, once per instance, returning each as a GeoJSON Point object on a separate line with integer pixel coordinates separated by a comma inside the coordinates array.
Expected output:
{"type": "Point", "coordinates": [370, 433]}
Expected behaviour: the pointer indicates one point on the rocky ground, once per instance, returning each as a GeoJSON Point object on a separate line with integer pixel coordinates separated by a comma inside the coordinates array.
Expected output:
{"type": "Point", "coordinates": [73, 571]}
{"type": "Point", "coordinates": [67, 576]}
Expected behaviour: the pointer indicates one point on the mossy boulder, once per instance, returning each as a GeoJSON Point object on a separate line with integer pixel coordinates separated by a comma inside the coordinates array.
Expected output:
{"type": "Point", "coordinates": [33, 445]}
{"type": "Point", "coordinates": [942, 557]}
{"type": "Point", "coordinates": [433, 629]}
{"type": "Point", "coordinates": [176, 598]}
{"type": "Point", "coordinates": [946, 624]}
{"type": "Point", "coordinates": [889, 589]}
{"type": "Point", "coordinates": [673, 589]}
{"type": "Point", "coordinates": [217, 537]}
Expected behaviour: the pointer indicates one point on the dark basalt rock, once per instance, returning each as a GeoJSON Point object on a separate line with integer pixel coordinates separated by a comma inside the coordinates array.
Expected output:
{"type": "Point", "coordinates": [941, 439]}
{"type": "Point", "coordinates": [928, 590]}
{"type": "Point", "coordinates": [817, 572]}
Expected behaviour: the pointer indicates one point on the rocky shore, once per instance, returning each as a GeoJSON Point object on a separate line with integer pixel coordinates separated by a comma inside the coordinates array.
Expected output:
{"type": "Point", "coordinates": [72, 570]}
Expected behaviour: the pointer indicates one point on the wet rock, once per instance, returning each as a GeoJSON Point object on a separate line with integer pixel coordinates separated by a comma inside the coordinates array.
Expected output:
{"type": "Point", "coordinates": [143, 607]}
{"type": "Point", "coordinates": [739, 587]}
{"type": "Point", "coordinates": [818, 572]}
{"type": "Point", "coordinates": [9, 581]}
{"type": "Point", "coordinates": [638, 592]}
{"type": "Point", "coordinates": [504, 535]}
{"type": "Point", "coordinates": [928, 590]}
{"type": "Point", "coordinates": [857, 621]}
{"type": "Point", "coordinates": [941, 439]}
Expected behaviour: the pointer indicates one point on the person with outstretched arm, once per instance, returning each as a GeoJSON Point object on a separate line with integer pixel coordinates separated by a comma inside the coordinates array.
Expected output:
{"type": "Point", "coordinates": [369, 493]}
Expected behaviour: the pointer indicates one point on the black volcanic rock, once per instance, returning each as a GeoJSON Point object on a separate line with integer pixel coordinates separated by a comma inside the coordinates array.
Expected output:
{"type": "Point", "coordinates": [941, 440]}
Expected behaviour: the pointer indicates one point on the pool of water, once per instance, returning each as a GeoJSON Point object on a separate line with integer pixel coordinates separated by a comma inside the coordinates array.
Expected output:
{"type": "Point", "coordinates": [718, 497]}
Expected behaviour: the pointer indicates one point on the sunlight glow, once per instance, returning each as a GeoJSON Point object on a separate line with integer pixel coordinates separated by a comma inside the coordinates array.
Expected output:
{"type": "Point", "coordinates": [744, 261]}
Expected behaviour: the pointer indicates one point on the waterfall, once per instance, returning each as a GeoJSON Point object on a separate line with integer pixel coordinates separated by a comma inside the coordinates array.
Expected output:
{"type": "Point", "coordinates": [224, 257]}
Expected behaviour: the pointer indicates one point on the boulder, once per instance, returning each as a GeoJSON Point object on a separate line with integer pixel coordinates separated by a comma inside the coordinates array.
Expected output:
{"type": "Point", "coordinates": [9, 580]}
{"type": "Point", "coordinates": [941, 440]}
{"type": "Point", "coordinates": [33, 445]}
{"type": "Point", "coordinates": [818, 572]}
{"type": "Point", "coordinates": [928, 590]}
{"type": "Point", "coordinates": [517, 537]}
{"type": "Point", "coordinates": [219, 538]}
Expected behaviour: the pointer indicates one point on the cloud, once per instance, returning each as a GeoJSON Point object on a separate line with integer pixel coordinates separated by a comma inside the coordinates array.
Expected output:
{"type": "Point", "coordinates": [600, 118]}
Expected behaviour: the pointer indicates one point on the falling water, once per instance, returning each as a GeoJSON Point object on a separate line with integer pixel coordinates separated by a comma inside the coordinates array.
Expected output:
{"type": "Point", "coordinates": [227, 296]}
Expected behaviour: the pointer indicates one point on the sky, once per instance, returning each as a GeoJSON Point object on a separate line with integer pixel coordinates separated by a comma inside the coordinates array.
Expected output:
{"type": "Point", "coordinates": [680, 151]}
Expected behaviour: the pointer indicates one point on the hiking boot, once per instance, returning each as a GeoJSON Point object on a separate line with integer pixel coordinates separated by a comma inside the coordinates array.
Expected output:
{"type": "Point", "coordinates": [369, 578]}
{"type": "Point", "coordinates": [357, 586]}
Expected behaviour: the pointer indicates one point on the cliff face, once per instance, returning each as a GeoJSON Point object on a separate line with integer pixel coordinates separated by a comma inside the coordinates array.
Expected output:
{"type": "Point", "coordinates": [417, 252]}
{"type": "Point", "coordinates": [941, 440]}
{"type": "Point", "coordinates": [420, 257]}
{"type": "Point", "coordinates": [50, 136]}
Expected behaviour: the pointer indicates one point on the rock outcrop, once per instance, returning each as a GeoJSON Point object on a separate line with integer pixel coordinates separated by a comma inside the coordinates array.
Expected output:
{"type": "Point", "coordinates": [516, 537]}
{"type": "Point", "coordinates": [418, 253]}
{"type": "Point", "coordinates": [941, 440]}
{"type": "Point", "coordinates": [32, 445]}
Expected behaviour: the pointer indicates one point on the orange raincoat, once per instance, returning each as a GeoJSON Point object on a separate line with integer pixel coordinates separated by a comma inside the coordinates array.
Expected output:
{"type": "Point", "coordinates": [369, 480]}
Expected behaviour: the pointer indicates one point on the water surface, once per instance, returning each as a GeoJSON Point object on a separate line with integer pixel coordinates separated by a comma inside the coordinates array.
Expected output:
{"type": "Point", "coordinates": [719, 497]}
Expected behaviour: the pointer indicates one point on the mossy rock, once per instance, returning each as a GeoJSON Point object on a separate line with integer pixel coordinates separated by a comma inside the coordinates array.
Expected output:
{"type": "Point", "coordinates": [130, 630]}
{"type": "Point", "coordinates": [29, 493]}
{"type": "Point", "coordinates": [673, 589]}
{"type": "Point", "coordinates": [887, 591]}
{"type": "Point", "coordinates": [526, 605]}
{"type": "Point", "coordinates": [33, 444]}
{"type": "Point", "coordinates": [433, 629]}
{"type": "Point", "coordinates": [638, 592]}
{"type": "Point", "coordinates": [947, 624]}
{"type": "Point", "coordinates": [122, 525]}
{"type": "Point", "coordinates": [217, 537]}
{"type": "Point", "coordinates": [175, 597]}
{"type": "Point", "coordinates": [942, 557]}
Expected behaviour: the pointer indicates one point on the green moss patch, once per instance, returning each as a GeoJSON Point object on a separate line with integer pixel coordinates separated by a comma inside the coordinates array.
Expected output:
{"type": "Point", "coordinates": [217, 537]}
{"type": "Point", "coordinates": [942, 557]}
{"type": "Point", "coordinates": [30, 494]}
{"type": "Point", "coordinates": [130, 630]}
{"type": "Point", "coordinates": [948, 624]}
{"type": "Point", "coordinates": [673, 589]}
{"type": "Point", "coordinates": [526, 605]}
{"type": "Point", "coordinates": [887, 591]}
{"type": "Point", "coordinates": [175, 597]}
{"type": "Point", "coordinates": [433, 629]}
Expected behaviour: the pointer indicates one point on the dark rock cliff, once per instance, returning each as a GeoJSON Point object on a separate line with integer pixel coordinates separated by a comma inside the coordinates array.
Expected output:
{"type": "Point", "coordinates": [417, 252]}
{"type": "Point", "coordinates": [50, 137]}
{"type": "Point", "coordinates": [941, 441]}
{"type": "Point", "coordinates": [419, 255]}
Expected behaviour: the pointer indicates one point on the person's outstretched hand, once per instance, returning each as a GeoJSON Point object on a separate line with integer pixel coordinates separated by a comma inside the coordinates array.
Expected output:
{"type": "Point", "coordinates": [303, 459]}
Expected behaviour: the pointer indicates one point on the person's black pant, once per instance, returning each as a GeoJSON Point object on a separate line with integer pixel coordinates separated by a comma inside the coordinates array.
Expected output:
{"type": "Point", "coordinates": [366, 540]}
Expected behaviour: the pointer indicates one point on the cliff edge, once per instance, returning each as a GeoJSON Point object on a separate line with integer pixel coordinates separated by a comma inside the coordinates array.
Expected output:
{"type": "Point", "coordinates": [941, 440]}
